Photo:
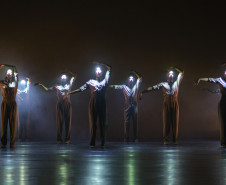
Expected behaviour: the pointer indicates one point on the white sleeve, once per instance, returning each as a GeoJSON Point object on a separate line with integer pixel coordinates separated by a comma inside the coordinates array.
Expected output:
{"type": "Point", "coordinates": [107, 76]}
{"type": "Point", "coordinates": [118, 86]}
{"type": "Point", "coordinates": [179, 78]}
{"type": "Point", "coordinates": [214, 80]}
{"type": "Point", "coordinates": [84, 87]}
{"type": "Point", "coordinates": [158, 86]}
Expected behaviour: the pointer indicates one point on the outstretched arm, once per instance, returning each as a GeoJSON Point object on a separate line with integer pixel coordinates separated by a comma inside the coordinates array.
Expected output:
{"type": "Point", "coordinates": [155, 87]}
{"type": "Point", "coordinates": [82, 88]}
{"type": "Point", "coordinates": [116, 86]}
{"type": "Point", "coordinates": [75, 91]}
{"type": "Point", "coordinates": [201, 79]}
{"type": "Point", "coordinates": [45, 88]}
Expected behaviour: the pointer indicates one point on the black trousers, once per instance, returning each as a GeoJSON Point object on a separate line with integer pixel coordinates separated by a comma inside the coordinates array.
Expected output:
{"type": "Point", "coordinates": [63, 116]}
{"type": "Point", "coordinates": [8, 114]}
{"type": "Point", "coordinates": [97, 110]}
{"type": "Point", "coordinates": [130, 112]}
{"type": "Point", "coordinates": [222, 117]}
{"type": "Point", "coordinates": [170, 118]}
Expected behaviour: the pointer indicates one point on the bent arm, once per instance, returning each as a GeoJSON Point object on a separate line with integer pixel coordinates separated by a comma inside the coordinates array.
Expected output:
{"type": "Point", "coordinates": [180, 75]}
{"type": "Point", "coordinates": [201, 79]}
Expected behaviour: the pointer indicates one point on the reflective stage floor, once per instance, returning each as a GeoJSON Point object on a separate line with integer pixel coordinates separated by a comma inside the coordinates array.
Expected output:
{"type": "Point", "coordinates": [193, 162]}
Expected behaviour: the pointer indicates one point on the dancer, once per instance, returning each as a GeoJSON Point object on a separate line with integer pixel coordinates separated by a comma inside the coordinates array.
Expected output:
{"type": "Point", "coordinates": [23, 102]}
{"type": "Point", "coordinates": [171, 105]}
{"type": "Point", "coordinates": [221, 82]}
{"type": "Point", "coordinates": [9, 107]}
{"type": "Point", "coordinates": [97, 104]}
{"type": "Point", "coordinates": [130, 91]}
{"type": "Point", "coordinates": [63, 107]}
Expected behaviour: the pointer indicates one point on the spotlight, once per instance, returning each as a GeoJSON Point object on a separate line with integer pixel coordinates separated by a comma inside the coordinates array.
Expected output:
{"type": "Point", "coordinates": [63, 77]}
{"type": "Point", "coordinates": [23, 82]}
{"type": "Point", "coordinates": [9, 72]}
{"type": "Point", "coordinates": [131, 78]}
{"type": "Point", "coordinates": [171, 73]}
{"type": "Point", "coordinates": [98, 70]}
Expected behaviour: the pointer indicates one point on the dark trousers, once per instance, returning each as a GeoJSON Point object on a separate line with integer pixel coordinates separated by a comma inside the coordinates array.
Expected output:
{"type": "Point", "coordinates": [170, 118]}
{"type": "Point", "coordinates": [97, 111]}
{"type": "Point", "coordinates": [222, 117]}
{"type": "Point", "coordinates": [8, 114]}
{"type": "Point", "coordinates": [23, 117]}
{"type": "Point", "coordinates": [130, 112]}
{"type": "Point", "coordinates": [63, 116]}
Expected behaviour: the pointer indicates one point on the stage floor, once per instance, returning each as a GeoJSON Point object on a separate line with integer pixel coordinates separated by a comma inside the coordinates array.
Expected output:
{"type": "Point", "coordinates": [152, 163]}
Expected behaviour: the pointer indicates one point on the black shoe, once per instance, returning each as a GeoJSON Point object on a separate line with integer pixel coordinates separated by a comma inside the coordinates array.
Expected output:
{"type": "Point", "coordinates": [135, 141]}
{"type": "Point", "coordinates": [175, 142]}
{"type": "Point", "coordinates": [3, 146]}
{"type": "Point", "coordinates": [59, 142]}
{"type": "Point", "coordinates": [166, 142]}
{"type": "Point", "coordinates": [66, 141]}
{"type": "Point", "coordinates": [91, 146]}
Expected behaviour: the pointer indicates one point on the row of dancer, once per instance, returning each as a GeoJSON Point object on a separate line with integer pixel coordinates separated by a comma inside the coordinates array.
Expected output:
{"type": "Point", "coordinates": [97, 105]}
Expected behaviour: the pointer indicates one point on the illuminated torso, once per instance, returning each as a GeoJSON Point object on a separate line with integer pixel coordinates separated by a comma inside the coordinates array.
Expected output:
{"type": "Point", "coordinates": [9, 92]}
{"type": "Point", "coordinates": [97, 88]}
{"type": "Point", "coordinates": [130, 94]}
{"type": "Point", "coordinates": [62, 92]}
{"type": "Point", "coordinates": [170, 90]}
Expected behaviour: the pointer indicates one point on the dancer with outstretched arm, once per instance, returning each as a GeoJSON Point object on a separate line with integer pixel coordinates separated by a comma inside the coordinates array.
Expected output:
{"type": "Point", "coordinates": [63, 107]}
{"type": "Point", "coordinates": [130, 91]}
{"type": "Point", "coordinates": [170, 105]}
{"type": "Point", "coordinates": [221, 82]}
{"type": "Point", "coordinates": [97, 104]}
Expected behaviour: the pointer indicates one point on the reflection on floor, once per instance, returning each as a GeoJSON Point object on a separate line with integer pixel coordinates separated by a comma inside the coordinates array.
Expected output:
{"type": "Point", "coordinates": [193, 162]}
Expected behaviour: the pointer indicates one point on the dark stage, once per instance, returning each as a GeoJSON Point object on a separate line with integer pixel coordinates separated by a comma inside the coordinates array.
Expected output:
{"type": "Point", "coordinates": [191, 162]}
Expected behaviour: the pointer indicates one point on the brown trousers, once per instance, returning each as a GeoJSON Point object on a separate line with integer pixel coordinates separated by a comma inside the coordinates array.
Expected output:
{"type": "Point", "coordinates": [222, 117]}
{"type": "Point", "coordinates": [8, 114]}
{"type": "Point", "coordinates": [63, 116]}
{"type": "Point", "coordinates": [170, 118]}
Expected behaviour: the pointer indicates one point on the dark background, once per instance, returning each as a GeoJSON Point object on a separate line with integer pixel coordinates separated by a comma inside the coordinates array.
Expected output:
{"type": "Point", "coordinates": [43, 38]}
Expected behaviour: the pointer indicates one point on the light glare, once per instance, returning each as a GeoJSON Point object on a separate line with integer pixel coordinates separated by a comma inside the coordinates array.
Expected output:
{"type": "Point", "coordinates": [23, 82]}
{"type": "Point", "coordinates": [98, 70]}
{"type": "Point", "coordinates": [9, 72]}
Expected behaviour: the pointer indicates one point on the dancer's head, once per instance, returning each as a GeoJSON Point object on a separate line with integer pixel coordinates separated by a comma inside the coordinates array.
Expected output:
{"type": "Point", "coordinates": [98, 73]}
{"type": "Point", "coordinates": [63, 78]}
{"type": "Point", "coordinates": [9, 74]}
{"type": "Point", "coordinates": [131, 80]}
{"type": "Point", "coordinates": [171, 76]}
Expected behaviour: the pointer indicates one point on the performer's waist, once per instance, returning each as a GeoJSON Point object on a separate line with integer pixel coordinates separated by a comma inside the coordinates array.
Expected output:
{"type": "Point", "coordinates": [170, 98]}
